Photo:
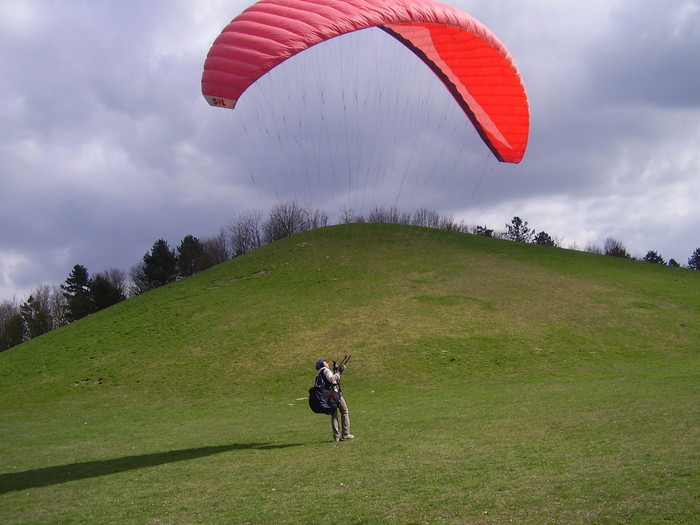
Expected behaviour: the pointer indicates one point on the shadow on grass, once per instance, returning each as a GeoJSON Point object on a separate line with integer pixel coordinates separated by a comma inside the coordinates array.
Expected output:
{"type": "Point", "coordinates": [44, 477]}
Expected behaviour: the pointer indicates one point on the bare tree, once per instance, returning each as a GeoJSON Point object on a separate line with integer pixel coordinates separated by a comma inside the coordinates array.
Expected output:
{"type": "Point", "coordinates": [593, 248]}
{"type": "Point", "coordinates": [12, 328]}
{"type": "Point", "coordinates": [118, 279]}
{"type": "Point", "coordinates": [244, 233]}
{"type": "Point", "coordinates": [214, 250]}
{"type": "Point", "coordinates": [449, 224]}
{"type": "Point", "coordinates": [284, 220]}
{"type": "Point", "coordinates": [59, 307]}
{"type": "Point", "coordinates": [317, 219]}
{"type": "Point", "coordinates": [615, 248]}
{"type": "Point", "coordinates": [426, 218]}
{"type": "Point", "coordinates": [399, 217]}
{"type": "Point", "coordinates": [36, 311]}
{"type": "Point", "coordinates": [377, 215]}
{"type": "Point", "coordinates": [139, 282]}
{"type": "Point", "coordinates": [349, 216]}
{"type": "Point", "coordinates": [390, 216]}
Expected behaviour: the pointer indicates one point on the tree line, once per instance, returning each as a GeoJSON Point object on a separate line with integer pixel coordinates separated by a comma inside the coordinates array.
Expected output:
{"type": "Point", "coordinates": [52, 306]}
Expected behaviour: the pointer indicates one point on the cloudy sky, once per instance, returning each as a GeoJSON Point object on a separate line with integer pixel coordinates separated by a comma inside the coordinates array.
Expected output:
{"type": "Point", "coordinates": [106, 144]}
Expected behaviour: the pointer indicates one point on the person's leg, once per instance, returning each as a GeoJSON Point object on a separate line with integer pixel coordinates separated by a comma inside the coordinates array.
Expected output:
{"type": "Point", "coordinates": [345, 415]}
{"type": "Point", "coordinates": [334, 425]}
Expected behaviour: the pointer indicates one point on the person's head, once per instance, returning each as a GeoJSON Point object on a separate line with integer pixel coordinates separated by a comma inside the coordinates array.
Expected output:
{"type": "Point", "coordinates": [320, 364]}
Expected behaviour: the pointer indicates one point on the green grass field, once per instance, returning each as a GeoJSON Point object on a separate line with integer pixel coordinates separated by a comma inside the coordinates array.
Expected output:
{"type": "Point", "coordinates": [491, 382]}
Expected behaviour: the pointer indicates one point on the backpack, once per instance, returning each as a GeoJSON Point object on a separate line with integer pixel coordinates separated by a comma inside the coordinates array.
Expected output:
{"type": "Point", "coordinates": [323, 399]}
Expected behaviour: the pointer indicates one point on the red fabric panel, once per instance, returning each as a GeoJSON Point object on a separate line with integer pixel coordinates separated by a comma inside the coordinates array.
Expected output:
{"type": "Point", "coordinates": [468, 58]}
{"type": "Point", "coordinates": [487, 86]}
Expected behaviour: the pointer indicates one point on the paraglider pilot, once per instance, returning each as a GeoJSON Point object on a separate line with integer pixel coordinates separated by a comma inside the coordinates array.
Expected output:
{"type": "Point", "coordinates": [333, 378]}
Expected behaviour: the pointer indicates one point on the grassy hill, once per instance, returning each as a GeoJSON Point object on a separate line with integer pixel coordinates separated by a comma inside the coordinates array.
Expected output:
{"type": "Point", "coordinates": [491, 382]}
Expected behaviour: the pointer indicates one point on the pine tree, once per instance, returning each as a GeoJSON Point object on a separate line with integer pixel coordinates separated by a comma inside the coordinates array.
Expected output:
{"type": "Point", "coordinates": [654, 258]}
{"type": "Point", "coordinates": [694, 261]}
{"type": "Point", "coordinates": [544, 239]}
{"type": "Point", "coordinates": [160, 264]}
{"type": "Point", "coordinates": [189, 256]}
{"type": "Point", "coordinates": [77, 293]}
{"type": "Point", "coordinates": [104, 293]}
{"type": "Point", "coordinates": [518, 230]}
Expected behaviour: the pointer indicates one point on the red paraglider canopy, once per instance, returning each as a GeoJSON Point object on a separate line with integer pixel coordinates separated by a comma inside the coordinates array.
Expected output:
{"type": "Point", "coordinates": [469, 59]}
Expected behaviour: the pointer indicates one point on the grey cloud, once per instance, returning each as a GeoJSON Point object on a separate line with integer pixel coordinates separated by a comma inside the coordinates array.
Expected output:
{"type": "Point", "coordinates": [650, 56]}
{"type": "Point", "coordinates": [107, 144]}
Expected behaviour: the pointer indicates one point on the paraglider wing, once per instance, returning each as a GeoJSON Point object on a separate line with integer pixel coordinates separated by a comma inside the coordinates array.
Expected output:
{"type": "Point", "coordinates": [467, 57]}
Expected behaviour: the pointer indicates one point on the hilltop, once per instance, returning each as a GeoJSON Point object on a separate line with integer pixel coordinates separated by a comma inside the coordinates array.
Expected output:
{"type": "Point", "coordinates": [449, 333]}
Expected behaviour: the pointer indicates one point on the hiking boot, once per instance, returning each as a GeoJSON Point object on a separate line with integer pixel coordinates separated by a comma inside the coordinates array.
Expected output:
{"type": "Point", "coordinates": [349, 436]}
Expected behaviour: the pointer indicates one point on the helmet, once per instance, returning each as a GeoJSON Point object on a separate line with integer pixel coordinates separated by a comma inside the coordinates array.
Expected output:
{"type": "Point", "coordinates": [319, 364]}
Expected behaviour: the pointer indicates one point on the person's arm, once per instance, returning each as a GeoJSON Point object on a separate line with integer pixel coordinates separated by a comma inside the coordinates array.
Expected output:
{"type": "Point", "coordinates": [331, 377]}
